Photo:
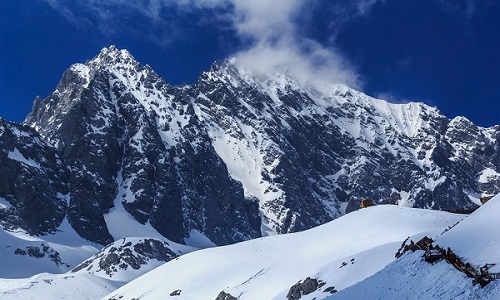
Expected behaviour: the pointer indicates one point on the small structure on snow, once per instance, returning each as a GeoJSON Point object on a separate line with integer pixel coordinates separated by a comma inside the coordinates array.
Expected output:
{"type": "Point", "coordinates": [366, 203]}
{"type": "Point", "coordinates": [485, 199]}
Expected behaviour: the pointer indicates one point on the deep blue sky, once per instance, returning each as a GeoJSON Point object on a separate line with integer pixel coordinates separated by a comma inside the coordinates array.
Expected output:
{"type": "Point", "coordinates": [442, 52]}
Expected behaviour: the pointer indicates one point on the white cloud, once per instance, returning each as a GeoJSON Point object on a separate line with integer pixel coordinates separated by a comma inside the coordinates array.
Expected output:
{"type": "Point", "coordinates": [277, 46]}
{"type": "Point", "coordinates": [159, 18]}
{"type": "Point", "coordinates": [343, 11]}
{"type": "Point", "coordinates": [264, 20]}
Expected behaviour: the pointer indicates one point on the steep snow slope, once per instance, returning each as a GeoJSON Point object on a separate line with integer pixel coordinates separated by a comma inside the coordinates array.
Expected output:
{"type": "Point", "coordinates": [57, 286]}
{"type": "Point", "coordinates": [272, 132]}
{"type": "Point", "coordinates": [410, 277]}
{"type": "Point", "coordinates": [476, 240]}
{"type": "Point", "coordinates": [267, 267]}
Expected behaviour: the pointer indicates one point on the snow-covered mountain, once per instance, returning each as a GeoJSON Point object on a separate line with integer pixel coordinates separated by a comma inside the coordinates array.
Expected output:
{"type": "Point", "coordinates": [237, 156]}
{"type": "Point", "coordinates": [117, 172]}
{"type": "Point", "coordinates": [23, 255]}
{"type": "Point", "coordinates": [128, 258]}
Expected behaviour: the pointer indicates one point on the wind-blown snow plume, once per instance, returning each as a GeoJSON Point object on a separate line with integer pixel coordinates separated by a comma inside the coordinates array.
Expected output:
{"type": "Point", "coordinates": [276, 45]}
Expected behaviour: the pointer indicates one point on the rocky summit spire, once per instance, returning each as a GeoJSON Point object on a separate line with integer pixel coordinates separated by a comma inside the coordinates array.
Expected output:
{"type": "Point", "coordinates": [111, 56]}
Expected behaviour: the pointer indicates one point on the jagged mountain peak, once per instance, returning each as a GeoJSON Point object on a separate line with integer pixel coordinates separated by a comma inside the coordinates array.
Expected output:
{"type": "Point", "coordinates": [264, 152]}
{"type": "Point", "coordinates": [280, 86]}
{"type": "Point", "coordinates": [112, 55]}
{"type": "Point", "coordinates": [233, 71]}
{"type": "Point", "coordinates": [110, 58]}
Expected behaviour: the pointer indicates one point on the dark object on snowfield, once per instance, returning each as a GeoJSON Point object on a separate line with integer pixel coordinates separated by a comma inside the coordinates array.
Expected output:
{"type": "Point", "coordinates": [485, 199]}
{"type": "Point", "coordinates": [425, 242]}
{"type": "Point", "coordinates": [366, 203]}
{"type": "Point", "coordinates": [225, 296]}
{"type": "Point", "coordinates": [432, 256]}
{"type": "Point", "coordinates": [305, 287]}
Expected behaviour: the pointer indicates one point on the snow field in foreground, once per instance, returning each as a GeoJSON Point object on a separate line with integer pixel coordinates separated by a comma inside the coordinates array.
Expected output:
{"type": "Point", "coordinates": [267, 267]}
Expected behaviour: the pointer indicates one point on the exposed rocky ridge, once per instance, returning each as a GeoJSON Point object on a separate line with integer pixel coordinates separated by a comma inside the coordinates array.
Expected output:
{"type": "Point", "coordinates": [234, 156]}
{"type": "Point", "coordinates": [40, 252]}
{"type": "Point", "coordinates": [127, 256]}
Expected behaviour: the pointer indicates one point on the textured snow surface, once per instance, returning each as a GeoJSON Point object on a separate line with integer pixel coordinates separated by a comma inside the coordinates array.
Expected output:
{"type": "Point", "coordinates": [487, 174]}
{"type": "Point", "coordinates": [410, 277]}
{"type": "Point", "coordinates": [476, 240]}
{"type": "Point", "coordinates": [56, 286]}
{"type": "Point", "coordinates": [198, 240]}
{"type": "Point", "coordinates": [477, 237]}
{"type": "Point", "coordinates": [266, 268]}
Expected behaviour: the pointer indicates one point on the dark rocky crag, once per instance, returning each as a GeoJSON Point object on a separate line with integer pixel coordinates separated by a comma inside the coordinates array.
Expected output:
{"type": "Point", "coordinates": [112, 121]}
{"type": "Point", "coordinates": [33, 181]}
{"type": "Point", "coordinates": [234, 156]}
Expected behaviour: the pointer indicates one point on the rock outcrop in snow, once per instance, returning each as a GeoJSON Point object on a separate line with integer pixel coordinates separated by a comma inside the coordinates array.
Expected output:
{"type": "Point", "coordinates": [128, 258]}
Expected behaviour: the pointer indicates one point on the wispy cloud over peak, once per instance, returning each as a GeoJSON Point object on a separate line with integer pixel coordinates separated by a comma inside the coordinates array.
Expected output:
{"type": "Point", "coordinates": [276, 45]}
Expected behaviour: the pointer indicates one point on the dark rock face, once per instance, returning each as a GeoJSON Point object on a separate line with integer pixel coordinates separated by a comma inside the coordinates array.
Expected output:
{"type": "Point", "coordinates": [340, 145]}
{"type": "Point", "coordinates": [33, 181]}
{"type": "Point", "coordinates": [225, 296]}
{"type": "Point", "coordinates": [41, 252]}
{"type": "Point", "coordinates": [232, 156]}
{"type": "Point", "coordinates": [305, 287]}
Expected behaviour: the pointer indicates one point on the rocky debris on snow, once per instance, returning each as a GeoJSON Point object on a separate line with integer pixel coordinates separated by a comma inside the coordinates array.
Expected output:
{"type": "Point", "coordinates": [225, 296]}
{"type": "Point", "coordinates": [305, 287]}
